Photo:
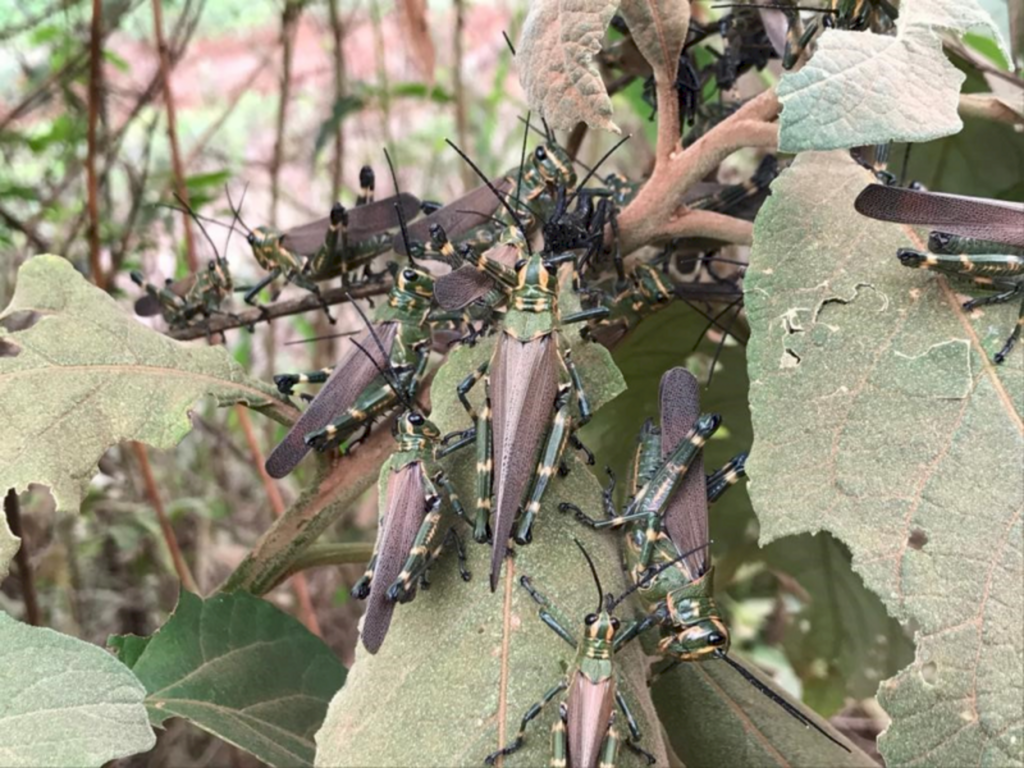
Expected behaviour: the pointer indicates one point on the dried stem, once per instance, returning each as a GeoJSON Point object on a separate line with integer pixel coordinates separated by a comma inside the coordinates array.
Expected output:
{"type": "Point", "coordinates": [289, 22]}
{"type": "Point", "coordinates": [657, 211]}
{"type": "Point", "coordinates": [458, 87]}
{"type": "Point", "coordinates": [12, 508]}
{"type": "Point", "coordinates": [299, 584]}
{"type": "Point", "coordinates": [92, 187]}
{"type": "Point", "coordinates": [319, 555]}
{"type": "Point", "coordinates": [172, 132]}
{"type": "Point", "coordinates": [331, 297]}
{"type": "Point", "coordinates": [153, 494]}
{"type": "Point", "coordinates": [988, 107]}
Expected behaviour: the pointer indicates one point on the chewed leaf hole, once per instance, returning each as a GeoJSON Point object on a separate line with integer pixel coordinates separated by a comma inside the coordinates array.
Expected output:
{"type": "Point", "coordinates": [930, 673]}
{"type": "Point", "coordinates": [21, 320]}
{"type": "Point", "coordinates": [9, 349]}
{"type": "Point", "coordinates": [917, 539]}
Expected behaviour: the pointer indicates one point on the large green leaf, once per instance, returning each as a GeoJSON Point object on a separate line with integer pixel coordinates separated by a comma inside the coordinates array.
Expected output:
{"type": "Point", "coordinates": [860, 88]}
{"type": "Point", "coordinates": [64, 702]}
{"type": "Point", "coordinates": [879, 416]}
{"type": "Point", "coordinates": [459, 659]}
{"type": "Point", "coordinates": [238, 667]}
{"type": "Point", "coordinates": [87, 376]}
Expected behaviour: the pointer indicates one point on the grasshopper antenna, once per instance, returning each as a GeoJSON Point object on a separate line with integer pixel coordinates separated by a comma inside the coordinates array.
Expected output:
{"type": "Point", "coordinates": [237, 211]}
{"type": "Point", "coordinates": [593, 571]}
{"type": "Point", "coordinates": [398, 210]}
{"type": "Point", "coordinates": [501, 199]}
{"type": "Point", "coordinates": [593, 170]}
{"type": "Point", "coordinates": [508, 42]}
{"type": "Point", "coordinates": [790, 709]}
{"type": "Point", "coordinates": [321, 338]}
{"type": "Point", "coordinates": [651, 573]}
{"type": "Point", "coordinates": [195, 217]}
{"type": "Point", "coordinates": [526, 133]}
{"type": "Point", "coordinates": [235, 219]}
{"type": "Point", "coordinates": [369, 325]}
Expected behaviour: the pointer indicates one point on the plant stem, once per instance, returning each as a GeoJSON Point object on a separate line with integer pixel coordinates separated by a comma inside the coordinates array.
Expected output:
{"type": "Point", "coordinates": [92, 187]}
{"type": "Point", "coordinates": [12, 508]}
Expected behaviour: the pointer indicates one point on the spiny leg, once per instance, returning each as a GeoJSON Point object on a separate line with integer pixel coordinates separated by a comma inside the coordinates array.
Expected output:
{"type": "Point", "coordinates": [531, 714]}
{"type": "Point", "coordinates": [403, 590]}
{"type": "Point", "coordinates": [723, 479]}
{"type": "Point", "coordinates": [484, 469]}
{"type": "Point", "coordinates": [361, 589]}
{"type": "Point", "coordinates": [1001, 354]}
{"type": "Point", "coordinates": [453, 539]}
{"type": "Point", "coordinates": [551, 452]}
{"type": "Point", "coordinates": [467, 384]}
{"type": "Point", "coordinates": [545, 612]}
{"type": "Point", "coordinates": [286, 382]}
{"type": "Point", "coordinates": [376, 402]}
{"type": "Point", "coordinates": [634, 730]}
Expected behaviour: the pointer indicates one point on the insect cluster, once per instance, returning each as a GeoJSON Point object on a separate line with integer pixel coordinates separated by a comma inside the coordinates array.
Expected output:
{"type": "Point", "coordinates": [525, 260]}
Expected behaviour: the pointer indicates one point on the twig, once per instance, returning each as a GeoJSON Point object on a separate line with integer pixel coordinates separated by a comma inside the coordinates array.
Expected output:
{"type": "Point", "coordinates": [752, 125]}
{"type": "Point", "coordinates": [988, 107]}
{"type": "Point", "coordinates": [299, 584]}
{"type": "Point", "coordinates": [172, 132]}
{"type": "Point", "coordinates": [26, 229]}
{"type": "Point", "coordinates": [698, 223]}
{"type": "Point", "coordinates": [280, 309]}
{"type": "Point", "coordinates": [319, 555]}
{"type": "Point", "coordinates": [575, 140]}
{"type": "Point", "coordinates": [382, 71]}
{"type": "Point", "coordinates": [92, 187]}
{"type": "Point", "coordinates": [153, 494]}
{"type": "Point", "coordinates": [28, 585]}
{"type": "Point", "coordinates": [458, 87]}
{"type": "Point", "coordinates": [289, 21]}
{"type": "Point", "coordinates": [71, 69]}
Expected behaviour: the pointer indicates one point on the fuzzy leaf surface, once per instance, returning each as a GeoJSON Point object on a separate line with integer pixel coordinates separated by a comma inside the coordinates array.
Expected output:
{"type": "Point", "coordinates": [860, 88]}
{"type": "Point", "coordinates": [658, 27]}
{"type": "Point", "coordinates": [87, 376]}
{"type": "Point", "coordinates": [556, 62]}
{"type": "Point", "coordinates": [879, 416]}
{"type": "Point", "coordinates": [239, 668]}
{"type": "Point", "coordinates": [64, 702]}
{"type": "Point", "coordinates": [459, 660]}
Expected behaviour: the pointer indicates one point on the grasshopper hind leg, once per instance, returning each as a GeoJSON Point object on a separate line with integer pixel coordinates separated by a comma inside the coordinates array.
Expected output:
{"type": "Point", "coordinates": [1014, 337]}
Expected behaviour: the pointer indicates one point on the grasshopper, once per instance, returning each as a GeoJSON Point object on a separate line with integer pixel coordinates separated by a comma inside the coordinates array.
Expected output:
{"type": "Point", "coordinates": [530, 384]}
{"type": "Point", "coordinates": [411, 532]}
{"type": "Point", "coordinates": [665, 520]}
{"type": "Point", "coordinates": [978, 241]}
{"type": "Point", "coordinates": [334, 245]}
{"type": "Point", "coordinates": [181, 301]}
{"type": "Point", "coordinates": [584, 735]}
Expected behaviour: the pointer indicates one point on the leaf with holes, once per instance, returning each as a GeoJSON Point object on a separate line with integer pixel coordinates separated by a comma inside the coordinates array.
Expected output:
{"type": "Point", "coordinates": [860, 88]}
{"type": "Point", "coordinates": [85, 376]}
{"type": "Point", "coordinates": [879, 416]}
{"type": "Point", "coordinates": [65, 702]}
{"type": "Point", "coordinates": [239, 668]}
{"type": "Point", "coordinates": [556, 62]}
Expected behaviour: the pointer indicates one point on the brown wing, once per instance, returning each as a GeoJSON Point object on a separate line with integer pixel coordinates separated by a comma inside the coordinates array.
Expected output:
{"type": "Point", "coordinates": [524, 381]}
{"type": "Point", "coordinates": [363, 221]}
{"type": "Point", "coordinates": [686, 517]}
{"type": "Point", "coordinates": [588, 711]}
{"type": "Point", "coordinates": [977, 217]}
{"type": "Point", "coordinates": [466, 284]}
{"type": "Point", "coordinates": [461, 287]}
{"type": "Point", "coordinates": [474, 208]}
{"type": "Point", "coordinates": [397, 533]}
{"type": "Point", "coordinates": [352, 375]}
{"type": "Point", "coordinates": [149, 305]}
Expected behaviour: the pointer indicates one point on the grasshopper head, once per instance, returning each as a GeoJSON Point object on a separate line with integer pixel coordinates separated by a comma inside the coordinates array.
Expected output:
{"type": "Point", "coordinates": [601, 626]}
{"type": "Point", "coordinates": [414, 282]}
{"type": "Point", "coordinates": [534, 272]}
{"type": "Point", "coordinates": [698, 640]}
{"type": "Point", "coordinates": [651, 284]}
{"type": "Point", "coordinates": [554, 165]}
{"type": "Point", "coordinates": [415, 424]}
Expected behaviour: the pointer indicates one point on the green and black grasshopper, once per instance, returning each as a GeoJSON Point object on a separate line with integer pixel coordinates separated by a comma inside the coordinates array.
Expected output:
{"type": "Point", "coordinates": [355, 392]}
{"type": "Point", "coordinates": [530, 388]}
{"type": "Point", "coordinates": [182, 301]}
{"type": "Point", "coordinates": [585, 734]}
{"type": "Point", "coordinates": [977, 241]}
{"type": "Point", "coordinates": [412, 527]}
{"type": "Point", "coordinates": [332, 246]}
{"type": "Point", "coordinates": [666, 521]}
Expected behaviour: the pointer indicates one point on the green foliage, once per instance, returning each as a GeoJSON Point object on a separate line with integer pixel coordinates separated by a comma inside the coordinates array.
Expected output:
{"type": "Point", "coordinates": [88, 374]}
{"type": "Point", "coordinates": [238, 667]}
{"type": "Point", "coordinates": [64, 702]}
{"type": "Point", "coordinates": [905, 449]}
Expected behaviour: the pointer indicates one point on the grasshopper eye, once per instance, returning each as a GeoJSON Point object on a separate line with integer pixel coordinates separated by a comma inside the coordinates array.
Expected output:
{"type": "Point", "coordinates": [590, 619]}
{"type": "Point", "coordinates": [540, 153]}
{"type": "Point", "coordinates": [415, 419]}
{"type": "Point", "coordinates": [715, 639]}
{"type": "Point", "coordinates": [251, 239]}
{"type": "Point", "coordinates": [520, 264]}
{"type": "Point", "coordinates": [409, 275]}
{"type": "Point", "coordinates": [615, 623]}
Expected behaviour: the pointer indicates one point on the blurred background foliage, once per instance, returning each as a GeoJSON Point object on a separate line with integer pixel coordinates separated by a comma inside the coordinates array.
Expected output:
{"type": "Point", "coordinates": [272, 110]}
